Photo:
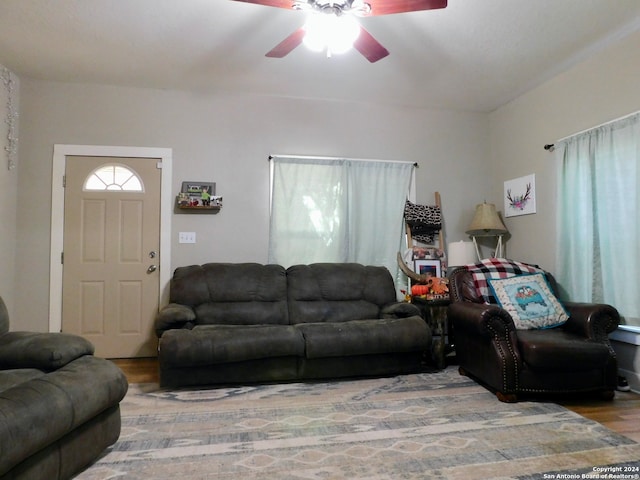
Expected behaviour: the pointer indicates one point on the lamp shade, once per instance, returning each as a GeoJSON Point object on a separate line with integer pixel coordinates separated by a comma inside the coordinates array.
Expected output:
{"type": "Point", "coordinates": [460, 253]}
{"type": "Point", "coordinates": [486, 222]}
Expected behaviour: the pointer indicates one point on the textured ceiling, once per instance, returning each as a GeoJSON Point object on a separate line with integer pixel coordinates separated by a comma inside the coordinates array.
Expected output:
{"type": "Point", "coordinates": [474, 55]}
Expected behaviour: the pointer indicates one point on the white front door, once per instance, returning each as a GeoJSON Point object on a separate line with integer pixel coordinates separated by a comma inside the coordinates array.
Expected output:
{"type": "Point", "coordinates": [111, 252]}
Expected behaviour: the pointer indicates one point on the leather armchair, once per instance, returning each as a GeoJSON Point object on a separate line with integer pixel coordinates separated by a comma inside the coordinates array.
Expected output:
{"type": "Point", "coordinates": [575, 357]}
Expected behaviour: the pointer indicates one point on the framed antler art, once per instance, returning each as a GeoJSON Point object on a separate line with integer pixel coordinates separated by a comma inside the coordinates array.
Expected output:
{"type": "Point", "coordinates": [520, 196]}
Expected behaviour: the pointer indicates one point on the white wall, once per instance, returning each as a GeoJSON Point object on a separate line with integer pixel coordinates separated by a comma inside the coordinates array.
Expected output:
{"type": "Point", "coordinates": [227, 139]}
{"type": "Point", "coordinates": [603, 88]}
{"type": "Point", "coordinates": [8, 198]}
{"type": "Point", "coordinates": [598, 90]}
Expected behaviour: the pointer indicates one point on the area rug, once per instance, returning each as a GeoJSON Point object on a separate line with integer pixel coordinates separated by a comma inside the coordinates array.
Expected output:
{"type": "Point", "coordinates": [426, 426]}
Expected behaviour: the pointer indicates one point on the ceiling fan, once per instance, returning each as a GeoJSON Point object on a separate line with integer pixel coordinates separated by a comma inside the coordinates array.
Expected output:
{"type": "Point", "coordinates": [344, 11]}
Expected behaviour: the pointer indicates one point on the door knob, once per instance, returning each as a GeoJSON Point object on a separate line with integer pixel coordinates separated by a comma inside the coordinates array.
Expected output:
{"type": "Point", "coordinates": [152, 268]}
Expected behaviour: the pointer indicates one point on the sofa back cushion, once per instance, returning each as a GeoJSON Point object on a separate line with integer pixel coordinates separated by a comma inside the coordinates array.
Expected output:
{"type": "Point", "coordinates": [232, 293]}
{"type": "Point", "coordinates": [337, 292]}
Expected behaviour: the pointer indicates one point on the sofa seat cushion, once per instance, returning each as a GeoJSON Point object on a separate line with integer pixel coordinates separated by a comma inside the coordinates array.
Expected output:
{"type": "Point", "coordinates": [242, 313]}
{"type": "Point", "coordinates": [13, 377]}
{"type": "Point", "coordinates": [328, 311]}
{"type": "Point", "coordinates": [556, 349]}
{"type": "Point", "coordinates": [216, 344]}
{"type": "Point", "coordinates": [365, 337]}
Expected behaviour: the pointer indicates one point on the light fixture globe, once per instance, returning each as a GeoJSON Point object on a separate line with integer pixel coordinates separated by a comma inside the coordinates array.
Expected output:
{"type": "Point", "coordinates": [335, 33]}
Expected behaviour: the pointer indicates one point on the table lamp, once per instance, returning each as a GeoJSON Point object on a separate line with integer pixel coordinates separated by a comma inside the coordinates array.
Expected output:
{"type": "Point", "coordinates": [487, 223]}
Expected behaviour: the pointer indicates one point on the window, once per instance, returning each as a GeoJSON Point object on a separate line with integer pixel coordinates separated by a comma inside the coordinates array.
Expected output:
{"type": "Point", "coordinates": [598, 259]}
{"type": "Point", "coordinates": [114, 178]}
{"type": "Point", "coordinates": [337, 210]}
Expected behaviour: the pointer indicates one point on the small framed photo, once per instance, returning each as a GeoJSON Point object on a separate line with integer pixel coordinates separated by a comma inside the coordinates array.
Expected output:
{"type": "Point", "coordinates": [197, 188]}
{"type": "Point", "coordinates": [428, 267]}
{"type": "Point", "coordinates": [198, 194]}
{"type": "Point", "coordinates": [424, 253]}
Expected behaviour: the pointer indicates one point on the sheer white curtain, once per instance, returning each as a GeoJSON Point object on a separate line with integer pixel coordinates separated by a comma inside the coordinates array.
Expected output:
{"type": "Point", "coordinates": [598, 227]}
{"type": "Point", "coordinates": [337, 210]}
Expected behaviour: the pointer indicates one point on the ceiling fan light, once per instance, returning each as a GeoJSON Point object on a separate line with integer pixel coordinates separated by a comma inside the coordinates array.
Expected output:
{"type": "Point", "coordinates": [334, 33]}
{"type": "Point", "coordinates": [317, 31]}
{"type": "Point", "coordinates": [345, 32]}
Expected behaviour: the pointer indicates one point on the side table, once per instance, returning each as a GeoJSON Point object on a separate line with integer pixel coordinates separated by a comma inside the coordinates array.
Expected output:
{"type": "Point", "coordinates": [434, 313]}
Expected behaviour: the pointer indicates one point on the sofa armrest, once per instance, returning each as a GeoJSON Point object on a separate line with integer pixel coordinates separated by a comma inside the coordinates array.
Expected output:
{"type": "Point", "coordinates": [400, 310]}
{"type": "Point", "coordinates": [173, 316]}
{"type": "Point", "coordinates": [480, 319]}
{"type": "Point", "coordinates": [44, 351]}
{"type": "Point", "coordinates": [594, 321]}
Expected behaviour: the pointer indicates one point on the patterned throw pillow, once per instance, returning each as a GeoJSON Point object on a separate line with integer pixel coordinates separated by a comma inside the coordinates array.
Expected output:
{"type": "Point", "coordinates": [496, 268]}
{"type": "Point", "coordinates": [529, 301]}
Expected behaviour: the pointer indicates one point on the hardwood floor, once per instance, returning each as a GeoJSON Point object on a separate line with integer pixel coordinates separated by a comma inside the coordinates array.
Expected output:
{"type": "Point", "coordinates": [139, 370]}
{"type": "Point", "coordinates": [622, 414]}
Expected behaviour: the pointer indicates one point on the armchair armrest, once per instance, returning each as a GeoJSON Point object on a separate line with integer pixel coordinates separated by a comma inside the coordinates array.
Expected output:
{"type": "Point", "coordinates": [400, 310]}
{"type": "Point", "coordinates": [591, 320]}
{"type": "Point", "coordinates": [44, 351]}
{"type": "Point", "coordinates": [481, 320]}
{"type": "Point", "coordinates": [174, 315]}
{"type": "Point", "coordinates": [486, 341]}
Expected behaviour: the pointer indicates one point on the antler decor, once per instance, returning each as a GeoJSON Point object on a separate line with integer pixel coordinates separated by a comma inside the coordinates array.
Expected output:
{"type": "Point", "coordinates": [519, 201]}
{"type": "Point", "coordinates": [418, 278]}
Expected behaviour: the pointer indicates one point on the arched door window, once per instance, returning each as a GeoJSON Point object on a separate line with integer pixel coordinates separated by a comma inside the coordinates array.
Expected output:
{"type": "Point", "coordinates": [113, 177]}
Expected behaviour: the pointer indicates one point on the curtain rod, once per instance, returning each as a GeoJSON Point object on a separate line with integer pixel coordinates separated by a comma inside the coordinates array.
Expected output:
{"type": "Point", "coordinates": [415, 164]}
{"type": "Point", "coordinates": [550, 146]}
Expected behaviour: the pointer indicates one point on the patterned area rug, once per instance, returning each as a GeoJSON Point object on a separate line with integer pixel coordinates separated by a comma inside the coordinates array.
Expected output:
{"type": "Point", "coordinates": [425, 426]}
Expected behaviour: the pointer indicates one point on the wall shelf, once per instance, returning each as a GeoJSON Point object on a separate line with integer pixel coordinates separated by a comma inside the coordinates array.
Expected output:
{"type": "Point", "coordinates": [211, 209]}
{"type": "Point", "coordinates": [199, 208]}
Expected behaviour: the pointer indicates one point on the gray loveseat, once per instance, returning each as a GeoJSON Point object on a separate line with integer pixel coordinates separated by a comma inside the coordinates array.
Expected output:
{"type": "Point", "coordinates": [247, 322]}
{"type": "Point", "coordinates": [59, 405]}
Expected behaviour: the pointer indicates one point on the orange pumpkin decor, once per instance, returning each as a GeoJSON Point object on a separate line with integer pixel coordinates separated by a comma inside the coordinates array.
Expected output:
{"type": "Point", "coordinates": [418, 290]}
{"type": "Point", "coordinates": [435, 286]}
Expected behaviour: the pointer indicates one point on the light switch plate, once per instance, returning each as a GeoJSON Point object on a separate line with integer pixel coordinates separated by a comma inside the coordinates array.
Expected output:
{"type": "Point", "coordinates": [187, 237]}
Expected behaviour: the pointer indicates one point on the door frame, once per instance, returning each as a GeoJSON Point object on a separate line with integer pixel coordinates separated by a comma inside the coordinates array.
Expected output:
{"type": "Point", "coordinates": [163, 156]}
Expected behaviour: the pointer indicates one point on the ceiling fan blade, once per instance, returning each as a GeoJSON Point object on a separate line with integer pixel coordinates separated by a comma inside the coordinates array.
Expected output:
{"type": "Point", "coordinates": [369, 47]}
{"type": "Point", "coordinates": [386, 7]}
{"type": "Point", "coordinates": [287, 45]}
{"type": "Point", "coordinates": [288, 4]}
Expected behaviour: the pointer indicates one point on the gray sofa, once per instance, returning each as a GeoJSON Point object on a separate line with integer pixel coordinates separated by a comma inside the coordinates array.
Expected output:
{"type": "Point", "coordinates": [247, 322]}
{"type": "Point", "coordinates": [59, 405]}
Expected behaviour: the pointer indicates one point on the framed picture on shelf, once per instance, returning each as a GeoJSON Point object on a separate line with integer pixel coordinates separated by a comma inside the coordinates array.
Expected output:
{"type": "Point", "coordinates": [425, 253]}
{"type": "Point", "coordinates": [197, 193]}
{"type": "Point", "coordinates": [196, 188]}
{"type": "Point", "coordinates": [428, 267]}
